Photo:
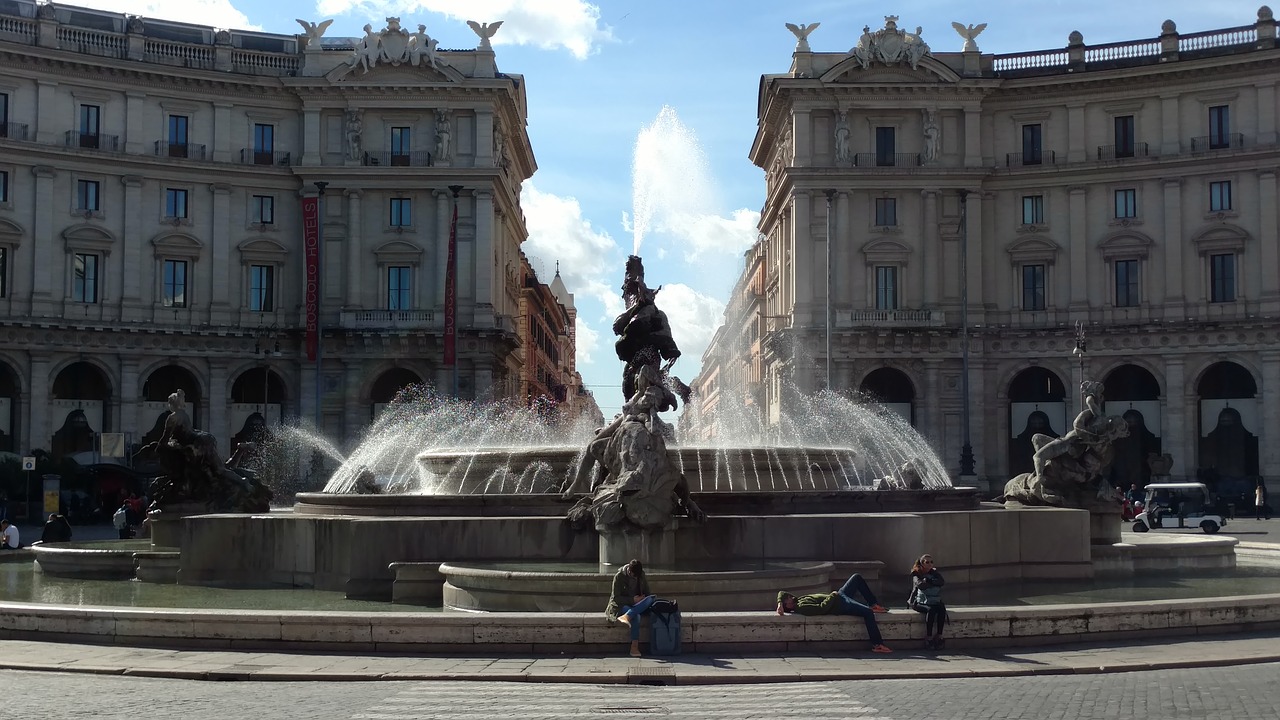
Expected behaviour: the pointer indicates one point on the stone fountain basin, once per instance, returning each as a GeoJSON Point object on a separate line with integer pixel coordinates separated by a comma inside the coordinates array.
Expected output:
{"type": "Point", "coordinates": [104, 560]}
{"type": "Point", "coordinates": [584, 587]}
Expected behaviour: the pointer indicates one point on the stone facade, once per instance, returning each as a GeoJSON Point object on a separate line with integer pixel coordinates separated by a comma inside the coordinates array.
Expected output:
{"type": "Point", "coordinates": [151, 228]}
{"type": "Point", "coordinates": [1129, 187]}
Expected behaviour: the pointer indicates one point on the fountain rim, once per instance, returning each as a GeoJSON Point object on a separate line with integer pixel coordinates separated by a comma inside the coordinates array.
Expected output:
{"type": "Point", "coordinates": [477, 570]}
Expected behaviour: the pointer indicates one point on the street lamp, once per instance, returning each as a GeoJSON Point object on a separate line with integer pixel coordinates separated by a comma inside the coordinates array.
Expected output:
{"type": "Point", "coordinates": [831, 221]}
{"type": "Point", "coordinates": [320, 186]}
{"type": "Point", "coordinates": [266, 346]}
{"type": "Point", "coordinates": [966, 451]}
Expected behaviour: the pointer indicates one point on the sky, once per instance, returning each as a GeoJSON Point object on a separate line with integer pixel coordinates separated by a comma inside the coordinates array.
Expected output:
{"type": "Point", "coordinates": [642, 113]}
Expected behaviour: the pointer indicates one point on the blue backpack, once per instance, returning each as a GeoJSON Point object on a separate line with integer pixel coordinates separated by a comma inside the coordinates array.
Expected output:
{"type": "Point", "coordinates": [664, 628]}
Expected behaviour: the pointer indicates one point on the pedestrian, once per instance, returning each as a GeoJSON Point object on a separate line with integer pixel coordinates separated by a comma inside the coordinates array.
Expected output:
{"type": "Point", "coordinates": [840, 602]}
{"type": "Point", "coordinates": [56, 529]}
{"type": "Point", "coordinates": [1260, 501]}
{"type": "Point", "coordinates": [926, 598]}
{"type": "Point", "coordinates": [9, 536]}
{"type": "Point", "coordinates": [629, 600]}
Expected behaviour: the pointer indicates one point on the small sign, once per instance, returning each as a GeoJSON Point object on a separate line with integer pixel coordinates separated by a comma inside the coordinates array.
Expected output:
{"type": "Point", "coordinates": [28, 463]}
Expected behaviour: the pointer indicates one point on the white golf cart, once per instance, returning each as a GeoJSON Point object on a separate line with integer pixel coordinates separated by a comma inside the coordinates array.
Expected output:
{"type": "Point", "coordinates": [1178, 505]}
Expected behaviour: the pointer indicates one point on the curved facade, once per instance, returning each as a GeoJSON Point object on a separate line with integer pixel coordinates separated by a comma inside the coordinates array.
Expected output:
{"type": "Point", "coordinates": [151, 226]}
{"type": "Point", "coordinates": [1129, 188]}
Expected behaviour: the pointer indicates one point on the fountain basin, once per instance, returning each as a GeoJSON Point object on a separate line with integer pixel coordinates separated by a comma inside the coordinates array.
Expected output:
{"type": "Point", "coordinates": [107, 559]}
{"type": "Point", "coordinates": [585, 587]}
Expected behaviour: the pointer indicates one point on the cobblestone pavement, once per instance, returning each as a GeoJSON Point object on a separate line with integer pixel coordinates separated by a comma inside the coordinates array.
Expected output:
{"type": "Point", "coordinates": [1237, 693]}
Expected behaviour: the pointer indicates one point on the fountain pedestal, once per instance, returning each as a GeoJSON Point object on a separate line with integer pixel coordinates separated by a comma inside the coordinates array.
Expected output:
{"type": "Point", "coordinates": [166, 523]}
{"type": "Point", "coordinates": [1104, 523]}
{"type": "Point", "coordinates": [654, 548]}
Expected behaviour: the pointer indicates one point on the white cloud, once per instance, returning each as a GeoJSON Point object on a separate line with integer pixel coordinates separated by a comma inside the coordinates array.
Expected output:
{"type": "Point", "coordinates": [588, 342]}
{"type": "Point", "coordinates": [694, 318]}
{"type": "Point", "coordinates": [719, 235]}
{"type": "Point", "coordinates": [559, 234]}
{"type": "Point", "coordinates": [218, 13]}
{"type": "Point", "coordinates": [549, 24]}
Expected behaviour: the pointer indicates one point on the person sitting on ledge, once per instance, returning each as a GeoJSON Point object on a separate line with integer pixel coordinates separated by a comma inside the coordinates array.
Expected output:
{"type": "Point", "coordinates": [9, 536]}
{"type": "Point", "coordinates": [629, 600]}
{"type": "Point", "coordinates": [840, 602]}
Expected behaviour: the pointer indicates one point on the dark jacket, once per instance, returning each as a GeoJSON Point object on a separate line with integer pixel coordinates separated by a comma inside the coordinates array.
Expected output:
{"type": "Point", "coordinates": [928, 585]}
{"type": "Point", "coordinates": [625, 589]}
{"type": "Point", "coordinates": [816, 604]}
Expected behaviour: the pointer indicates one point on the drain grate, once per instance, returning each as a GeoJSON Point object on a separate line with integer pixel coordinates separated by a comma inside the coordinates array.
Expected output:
{"type": "Point", "coordinates": [631, 711]}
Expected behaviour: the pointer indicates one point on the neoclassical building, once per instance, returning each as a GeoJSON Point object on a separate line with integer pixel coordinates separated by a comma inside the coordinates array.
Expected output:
{"type": "Point", "coordinates": [1127, 190]}
{"type": "Point", "coordinates": [152, 180]}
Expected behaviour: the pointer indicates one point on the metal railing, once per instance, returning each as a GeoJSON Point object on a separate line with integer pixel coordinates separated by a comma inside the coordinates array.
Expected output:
{"type": "Point", "coordinates": [179, 150]}
{"type": "Point", "coordinates": [1228, 141]}
{"type": "Point", "coordinates": [1121, 152]}
{"type": "Point", "coordinates": [250, 156]}
{"type": "Point", "coordinates": [414, 158]}
{"type": "Point", "coordinates": [92, 141]}
{"type": "Point", "coordinates": [1043, 157]}
{"type": "Point", "coordinates": [13, 131]}
{"type": "Point", "coordinates": [886, 160]}
{"type": "Point", "coordinates": [388, 319]}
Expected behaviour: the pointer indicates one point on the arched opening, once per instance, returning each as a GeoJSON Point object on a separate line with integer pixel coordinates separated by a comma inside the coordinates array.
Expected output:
{"type": "Point", "coordinates": [1037, 406]}
{"type": "Point", "coordinates": [257, 390]}
{"type": "Point", "coordinates": [10, 398]}
{"type": "Point", "coordinates": [1228, 424]}
{"type": "Point", "coordinates": [165, 381]}
{"type": "Point", "coordinates": [892, 389]}
{"type": "Point", "coordinates": [80, 408]}
{"type": "Point", "coordinates": [1132, 392]}
{"type": "Point", "coordinates": [388, 385]}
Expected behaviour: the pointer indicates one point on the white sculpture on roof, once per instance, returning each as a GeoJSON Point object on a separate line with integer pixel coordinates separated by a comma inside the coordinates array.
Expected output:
{"type": "Point", "coordinates": [395, 46]}
{"type": "Point", "coordinates": [890, 45]}
{"type": "Point", "coordinates": [969, 33]}
{"type": "Point", "coordinates": [486, 31]}
{"type": "Point", "coordinates": [314, 31]}
{"type": "Point", "coordinates": [802, 31]}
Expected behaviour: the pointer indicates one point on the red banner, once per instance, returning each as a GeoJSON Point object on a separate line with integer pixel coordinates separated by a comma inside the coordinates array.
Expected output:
{"type": "Point", "coordinates": [311, 253]}
{"type": "Point", "coordinates": [451, 293]}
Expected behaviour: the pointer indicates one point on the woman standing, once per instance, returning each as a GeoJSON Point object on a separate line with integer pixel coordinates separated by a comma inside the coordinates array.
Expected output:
{"type": "Point", "coordinates": [629, 600]}
{"type": "Point", "coordinates": [1259, 501]}
{"type": "Point", "coordinates": [926, 597]}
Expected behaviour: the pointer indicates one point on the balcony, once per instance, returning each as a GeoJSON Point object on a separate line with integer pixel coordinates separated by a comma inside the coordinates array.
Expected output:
{"type": "Point", "coordinates": [1227, 141]}
{"type": "Point", "coordinates": [887, 160]}
{"type": "Point", "coordinates": [251, 156]}
{"type": "Point", "coordinates": [415, 158]}
{"type": "Point", "coordinates": [389, 320]}
{"type": "Point", "coordinates": [92, 141]}
{"type": "Point", "coordinates": [179, 150]}
{"type": "Point", "coordinates": [897, 318]}
{"type": "Point", "coordinates": [1122, 152]}
{"type": "Point", "coordinates": [1030, 159]}
{"type": "Point", "coordinates": [13, 131]}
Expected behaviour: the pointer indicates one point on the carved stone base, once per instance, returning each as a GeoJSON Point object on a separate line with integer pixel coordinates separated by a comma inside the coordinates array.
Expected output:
{"type": "Point", "coordinates": [654, 548]}
{"type": "Point", "coordinates": [166, 523]}
{"type": "Point", "coordinates": [1104, 524]}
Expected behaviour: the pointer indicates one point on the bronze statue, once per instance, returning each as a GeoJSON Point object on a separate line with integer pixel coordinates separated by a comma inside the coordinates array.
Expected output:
{"type": "Point", "coordinates": [644, 335]}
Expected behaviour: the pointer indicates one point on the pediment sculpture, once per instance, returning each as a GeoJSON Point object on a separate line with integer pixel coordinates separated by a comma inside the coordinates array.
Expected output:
{"type": "Point", "coordinates": [396, 46]}
{"type": "Point", "coordinates": [889, 45]}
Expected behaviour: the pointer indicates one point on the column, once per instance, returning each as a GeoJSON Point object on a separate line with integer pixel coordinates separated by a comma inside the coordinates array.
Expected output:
{"type": "Point", "coordinates": [355, 255]}
{"type": "Point", "coordinates": [844, 256]}
{"type": "Point", "coordinates": [1268, 237]}
{"type": "Point", "coordinates": [972, 137]}
{"type": "Point", "coordinates": [45, 287]}
{"type": "Point", "coordinates": [357, 414]}
{"type": "Point", "coordinates": [130, 397]}
{"type": "Point", "coordinates": [1179, 425]}
{"type": "Point", "coordinates": [135, 120]}
{"type": "Point", "coordinates": [1269, 461]}
{"type": "Point", "coordinates": [40, 433]}
{"type": "Point", "coordinates": [1078, 252]}
{"type": "Point", "coordinates": [444, 210]}
{"type": "Point", "coordinates": [1172, 247]}
{"type": "Point", "coordinates": [131, 242]}
{"type": "Point", "coordinates": [311, 136]}
{"type": "Point", "coordinates": [444, 380]}
{"type": "Point", "coordinates": [802, 258]}
{"type": "Point", "coordinates": [218, 399]}
{"type": "Point", "coordinates": [931, 424]}
{"type": "Point", "coordinates": [307, 392]}
{"type": "Point", "coordinates": [802, 132]}
{"type": "Point", "coordinates": [484, 259]}
{"type": "Point", "coordinates": [484, 139]}
{"type": "Point", "coordinates": [1076, 150]}
{"type": "Point", "coordinates": [980, 276]}
{"type": "Point", "coordinates": [484, 380]}
{"type": "Point", "coordinates": [220, 271]}
{"type": "Point", "coordinates": [930, 249]}
{"type": "Point", "coordinates": [1170, 132]}
{"type": "Point", "coordinates": [1266, 113]}
{"type": "Point", "coordinates": [222, 150]}
{"type": "Point", "coordinates": [48, 129]}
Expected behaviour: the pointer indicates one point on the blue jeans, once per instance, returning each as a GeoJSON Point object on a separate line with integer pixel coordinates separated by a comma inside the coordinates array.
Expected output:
{"type": "Point", "coordinates": [633, 613]}
{"type": "Point", "coordinates": [848, 605]}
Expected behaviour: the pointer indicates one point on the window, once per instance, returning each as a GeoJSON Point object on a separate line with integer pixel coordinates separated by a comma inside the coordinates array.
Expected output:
{"type": "Point", "coordinates": [1127, 294]}
{"type": "Point", "coordinates": [262, 297]}
{"type": "Point", "coordinates": [1219, 127]}
{"type": "Point", "coordinates": [4, 186]}
{"type": "Point", "coordinates": [401, 139]}
{"type": "Point", "coordinates": [87, 196]}
{"type": "Point", "coordinates": [175, 203]}
{"type": "Point", "coordinates": [1033, 287]}
{"type": "Point", "coordinates": [178, 135]}
{"type": "Point", "coordinates": [886, 211]}
{"type": "Point", "coordinates": [84, 284]}
{"type": "Point", "coordinates": [90, 122]}
{"type": "Point", "coordinates": [264, 209]}
{"type": "Point", "coordinates": [1126, 203]}
{"type": "Point", "coordinates": [1124, 136]}
{"type": "Point", "coordinates": [1220, 196]}
{"type": "Point", "coordinates": [175, 283]}
{"type": "Point", "coordinates": [4, 115]}
{"type": "Point", "coordinates": [886, 287]}
{"type": "Point", "coordinates": [401, 212]}
{"type": "Point", "coordinates": [885, 146]}
{"type": "Point", "coordinates": [1031, 146]}
{"type": "Point", "coordinates": [398, 290]}
{"type": "Point", "coordinates": [1032, 209]}
{"type": "Point", "coordinates": [4, 272]}
{"type": "Point", "coordinates": [1222, 278]}
{"type": "Point", "coordinates": [264, 144]}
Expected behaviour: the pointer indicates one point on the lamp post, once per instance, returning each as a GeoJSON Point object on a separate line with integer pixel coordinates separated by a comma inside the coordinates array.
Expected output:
{"type": "Point", "coordinates": [966, 450]}
{"type": "Point", "coordinates": [831, 222]}
{"type": "Point", "coordinates": [320, 186]}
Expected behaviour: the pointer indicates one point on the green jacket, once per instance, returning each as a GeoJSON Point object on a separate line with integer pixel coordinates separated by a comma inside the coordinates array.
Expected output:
{"type": "Point", "coordinates": [816, 604]}
{"type": "Point", "coordinates": [625, 589]}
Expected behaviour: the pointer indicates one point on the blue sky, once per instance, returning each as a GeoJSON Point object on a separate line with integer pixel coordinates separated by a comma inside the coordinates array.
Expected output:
{"type": "Point", "coordinates": [598, 73]}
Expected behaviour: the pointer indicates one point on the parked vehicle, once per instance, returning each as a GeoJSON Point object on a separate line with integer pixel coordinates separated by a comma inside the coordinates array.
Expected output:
{"type": "Point", "coordinates": [1182, 505]}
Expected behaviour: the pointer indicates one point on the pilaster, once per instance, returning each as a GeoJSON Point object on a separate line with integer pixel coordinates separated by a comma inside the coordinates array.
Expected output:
{"type": "Point", "coordinates": [220, 274]}
{"type": "Point", "coordinates": [484, 139]}
{"type": "Point", "coordinates": [484, 260]}
{"type": "Point", "coordinates": [1170, 134]}
{"type": "Point", "coordinates": [980, 276]}
{"type": "Point", "coordinates": [1267, 113]}
{"type": "Point", "coordinates": [131, 242]}
{"type": "Point", "coordinates": [135, 114]}
{"type": "Point", "coordinates": [222, 151]}
{"type": "Point", "coordinates": [802, 131]}
{"type": "Point", "coordinates": [931, 248]}
{"type": "Point", "coordinates": [41, 435]}
{"type": "Point", "coordinates": [130, 396]}
{"type": "Point", "coordinates": [218, 399]}
{"type": "Point", "coordinates": [355, 256]}
{"type": "Point", "coordinates": [1268, 235]}
{"type": "Point", "coordinates": [1076, 151]}
{"type": "Point", "coordinates": [444, 210]}
{"type": "Point", "coordinates": [1078, 252]}
{"type": "Point", "coordinates": [802, 257]}
{"type": "Point", "coordinates": [1269, 443]}
{"type": "Point", "coordinates": [47, 115]}
{"type": "Point", "coordinates": [972, 137]}
{"type": "Point", "coordinates": [1176, 420]}
{"type": "Point", "coordinates": [1173, 250]}
{"type": "Point", "coordinates": [311, 136]}
{"type": "Point", "coordinates": [844, 271]}
{"type": "Point", "coordinates": [44, 275]}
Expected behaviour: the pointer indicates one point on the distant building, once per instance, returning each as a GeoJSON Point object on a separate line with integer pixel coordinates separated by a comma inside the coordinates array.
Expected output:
{"type": "Point", "coordinates": [547, 327]}
{"type": "Point", "coordinates": [151, 236]}
{"type": "Point", "coordinates": [1129, 187]}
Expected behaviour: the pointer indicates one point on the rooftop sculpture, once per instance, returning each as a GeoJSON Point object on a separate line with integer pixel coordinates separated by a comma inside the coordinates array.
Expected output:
{"type": "Point", "coordinates": [889, 45]}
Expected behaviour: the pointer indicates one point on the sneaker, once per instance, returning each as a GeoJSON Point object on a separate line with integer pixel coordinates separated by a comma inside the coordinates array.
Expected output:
{"type": "Point", "coordinates": [878, 608]}
{"type": "Point", "coordinates": [881, 648]}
